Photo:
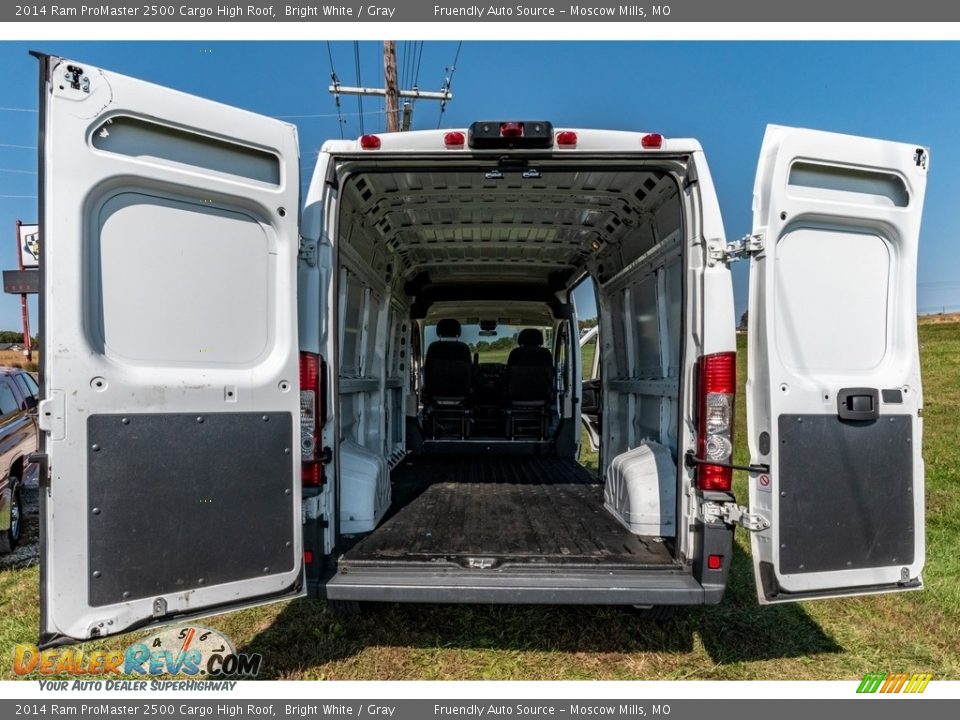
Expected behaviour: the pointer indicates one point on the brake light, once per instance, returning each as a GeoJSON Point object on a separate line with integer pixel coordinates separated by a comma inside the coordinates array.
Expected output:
{"type": "Point", "coordinates": [511, 129]}
{"type": "Point", "coordinates": [718, 381]}
{"type": "Point", "coordinates": [652, 141]}
{"type": "Point", "coordinates": [567, 138]}
{"type": "Point", "coordinates": [311, 418]}
{"type": "Point", "coordinates": [714, 562]}
{"type": "Point", "coordinates": [454, 139]}
{"type": "Point", "coordinates": [370, 142]}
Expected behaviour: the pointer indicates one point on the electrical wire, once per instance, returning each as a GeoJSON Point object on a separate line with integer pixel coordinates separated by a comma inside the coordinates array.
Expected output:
{"type": "Point", "coordinates": [356, 60]}
{"type": "Point", "coordinates": [448, 83]}
{"type": "Point", "coordinates": [13, 109]}
{"type": "Point", "coordinates": [18, 172]}
{"type": "Point", "coordinates": [336, 88]}
{"type": "Point", "coordinates": [21, 147]}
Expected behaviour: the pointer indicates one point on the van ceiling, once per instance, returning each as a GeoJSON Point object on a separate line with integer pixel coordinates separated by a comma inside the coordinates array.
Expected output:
{"type": "Point", "coordinates": [464, 225]}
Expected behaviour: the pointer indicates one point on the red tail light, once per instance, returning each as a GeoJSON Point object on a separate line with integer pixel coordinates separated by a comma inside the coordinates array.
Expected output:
{"type": "Point", "coordinates": [718, 384]}
{"type": "Point", "coordinates": [370, 142]}
{"type": "Point", "coordinates": [567, 138]}
{"type": "Point", "coordinates": [312, 404]}
{"type": "Point", "coordinates": [511, 129]}
{"type": "Point", "coordinates": [308, 557]}
{"type": "Point", "coordinates": [652, 141]}
{"type": "Point", "coordinates": [454, 139]}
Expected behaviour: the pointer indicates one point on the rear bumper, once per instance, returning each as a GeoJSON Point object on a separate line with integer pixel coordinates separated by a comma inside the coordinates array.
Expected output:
{"type": "Point", "coordinates": [518, 585]}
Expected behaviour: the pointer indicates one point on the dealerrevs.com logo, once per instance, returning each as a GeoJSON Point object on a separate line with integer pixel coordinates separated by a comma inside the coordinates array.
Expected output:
{"type": "Point", "coordinates": [190, 651]}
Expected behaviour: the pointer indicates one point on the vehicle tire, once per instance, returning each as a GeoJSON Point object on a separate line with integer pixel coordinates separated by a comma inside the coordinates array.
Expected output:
{"type": "Point", "coordinates": [655, 613]}
{"type": "Point", "coordinates": [11, 536]}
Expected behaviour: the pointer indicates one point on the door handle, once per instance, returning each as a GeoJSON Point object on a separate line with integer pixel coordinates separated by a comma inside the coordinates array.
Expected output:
{"type": "Point", "coordinates": [858, 404]}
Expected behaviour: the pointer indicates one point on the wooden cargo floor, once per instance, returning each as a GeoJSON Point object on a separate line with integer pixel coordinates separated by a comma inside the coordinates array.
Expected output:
{"type": "Point", "coordinates": [486, 510]}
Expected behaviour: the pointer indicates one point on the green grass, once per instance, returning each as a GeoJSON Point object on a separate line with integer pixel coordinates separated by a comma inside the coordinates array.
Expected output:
{"type": "Point", "coordinates": [908, 632]}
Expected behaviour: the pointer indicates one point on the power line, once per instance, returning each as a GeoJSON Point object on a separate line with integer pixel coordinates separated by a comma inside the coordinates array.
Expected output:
{"type": "Point", "coordinates": [329, 115]}
{"type": "Point", "coordinates": [356, 60]}
{"type": "Point", "coordinates": [22, 147]}
{"type": "Point", "coordinates": [336, 84]}
{"type": "Point", "coordinates": [19, 196]}
{"type": "Point", "coordinates": [13, 109]}
{"type": "Point", "coordinates": [18, 172]}
{"type": "Point", "coordinates": [448, 82]}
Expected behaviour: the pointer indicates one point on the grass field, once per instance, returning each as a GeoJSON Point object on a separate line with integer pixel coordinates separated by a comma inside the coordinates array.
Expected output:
{"type": "Point", "coordinates": [837, 639]}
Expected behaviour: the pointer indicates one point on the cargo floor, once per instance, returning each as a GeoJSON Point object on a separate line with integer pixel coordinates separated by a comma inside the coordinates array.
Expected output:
{"type": "Point", "coordinates": [487, 510]}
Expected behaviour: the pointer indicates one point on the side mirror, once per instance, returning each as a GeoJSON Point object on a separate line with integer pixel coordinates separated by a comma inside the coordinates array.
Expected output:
{"type": "Point", "coordinates": [30, 402]}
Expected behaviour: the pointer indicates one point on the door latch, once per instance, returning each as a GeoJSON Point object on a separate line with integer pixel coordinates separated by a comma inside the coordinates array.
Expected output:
{"type": "Point", "coordinates": [719, 251]}
{"type": "Point", "coordinates": [733, 514]}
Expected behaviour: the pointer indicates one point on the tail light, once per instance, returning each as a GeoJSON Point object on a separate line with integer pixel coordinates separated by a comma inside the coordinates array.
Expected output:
{"type": "Point", "coordinates": [312, 404]}
{"type": "Point", "coordinates": [369, 142]}
{"type": "Point", "coordinates": [651, 141]}
{"type": "Point", "coordinates": [454, 139]}
{"type": "Point", "coordinates": [718, 382]}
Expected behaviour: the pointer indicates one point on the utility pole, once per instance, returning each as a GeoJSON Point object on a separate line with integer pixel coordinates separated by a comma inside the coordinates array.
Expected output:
{"type": "Point", "coordinates": [390, 80]}
{"type": "Point", "coordinates": [391, 92]}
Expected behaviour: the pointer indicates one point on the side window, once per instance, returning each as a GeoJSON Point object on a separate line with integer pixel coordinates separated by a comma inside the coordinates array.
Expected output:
{"type": "Point", "coordinates": [26, 384]}
{"type": "Point", "coordinates": [32, 384]}
{"type": "Point", "coordinates": [585, 301]}
{"type": "Point", "coordinates": [8, 402]}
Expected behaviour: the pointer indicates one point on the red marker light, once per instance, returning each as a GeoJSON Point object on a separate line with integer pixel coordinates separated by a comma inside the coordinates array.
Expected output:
{"type": "Point", "coordinates": [454, 139]}
{"type": "Point", "coordinates": [370, 142]}
{"type": "Point", "coordinates": [567, 138]}
{"type": "Point", "coordinates": [511, 129]}
{"type": "Point", "coordinates": [308, 557]}
{"type": "Point", "coordinates": [714, 562]}
{"type": "Point", "coordinates": [652, 141]}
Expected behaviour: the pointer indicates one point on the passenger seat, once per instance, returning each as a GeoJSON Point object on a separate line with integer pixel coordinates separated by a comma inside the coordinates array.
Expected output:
{"type": "Point", "coordinates": [447, 380]}
{"type": "Point", "coordinates": [529, 386]}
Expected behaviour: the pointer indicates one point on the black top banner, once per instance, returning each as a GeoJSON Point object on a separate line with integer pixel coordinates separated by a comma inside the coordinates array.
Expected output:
{"type": "Point", "coordinates": [528, 11]}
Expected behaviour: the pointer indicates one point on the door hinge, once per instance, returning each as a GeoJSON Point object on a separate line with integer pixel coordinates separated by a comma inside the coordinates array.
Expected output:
{"type": "Point", "coordinates": [308, 251]}
{"type": "Point", "coordinates": [42, 461]}
{"type": "Point", "coordinates": [719, 251]}
{"type": "Point", "coordinates": [733, 514]}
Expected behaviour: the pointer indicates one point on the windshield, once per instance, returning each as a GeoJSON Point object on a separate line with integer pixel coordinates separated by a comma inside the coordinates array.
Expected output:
{"type": "Point", "coordinates": [492, 346]}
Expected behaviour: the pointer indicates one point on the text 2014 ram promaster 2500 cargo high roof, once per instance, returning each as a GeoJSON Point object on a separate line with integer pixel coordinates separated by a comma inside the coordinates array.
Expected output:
{"type": "Point", "coordinates": [380, 396]}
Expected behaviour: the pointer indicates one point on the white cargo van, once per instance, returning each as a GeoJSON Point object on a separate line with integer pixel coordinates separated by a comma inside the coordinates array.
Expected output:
{"type": "Point", "coordinates": [245, 400]}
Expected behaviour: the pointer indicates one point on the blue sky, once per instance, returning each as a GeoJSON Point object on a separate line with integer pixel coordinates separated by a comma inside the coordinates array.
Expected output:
{"type": "Point", "coordinates": [722, 93]}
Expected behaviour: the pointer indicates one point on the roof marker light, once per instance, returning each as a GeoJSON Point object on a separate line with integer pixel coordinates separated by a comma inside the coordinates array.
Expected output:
{"type": "Point", "coordinates": [454, 139]}
{"type": "Point", "coordinates": [652, 141]}
{"type": "Point", "coordinates": [567, 138]}
{"type": "Point", "coordinates": [370, 142]}
{"type": "Point", "coordinates": [511, 129]}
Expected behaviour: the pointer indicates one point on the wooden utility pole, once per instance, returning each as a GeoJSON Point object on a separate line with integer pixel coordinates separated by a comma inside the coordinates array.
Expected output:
{"type": "Point", "coordinates": [390, 80]}
{"type": "Point", "coordinates": [392, 93]}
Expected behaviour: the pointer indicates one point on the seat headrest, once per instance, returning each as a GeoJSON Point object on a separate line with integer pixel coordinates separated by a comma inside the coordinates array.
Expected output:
{"type": "Point", "coordinates": [448, 328]}
{"type": "Point", "coordinates": [531, 337]}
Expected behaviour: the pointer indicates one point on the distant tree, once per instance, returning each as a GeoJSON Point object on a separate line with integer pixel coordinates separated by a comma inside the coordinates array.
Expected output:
{"type": "Point", "coordinates": [743, 321]}
{"type": "Point", "coordinates": [587, 323]}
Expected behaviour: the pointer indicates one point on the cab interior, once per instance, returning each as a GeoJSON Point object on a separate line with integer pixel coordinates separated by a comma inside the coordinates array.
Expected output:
{"type": "Point", "coordinates": [463, 289]}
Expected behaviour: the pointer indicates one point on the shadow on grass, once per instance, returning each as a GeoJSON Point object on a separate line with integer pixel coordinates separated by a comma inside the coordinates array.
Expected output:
{"type": "Point", "coordinates": [307, 634]}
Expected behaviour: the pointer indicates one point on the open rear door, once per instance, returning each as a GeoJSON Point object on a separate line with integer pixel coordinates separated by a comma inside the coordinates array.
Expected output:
{"type": "Point", "coordinates": [833, 392]}
{"type": "Point", "coordinates": [170, 408]}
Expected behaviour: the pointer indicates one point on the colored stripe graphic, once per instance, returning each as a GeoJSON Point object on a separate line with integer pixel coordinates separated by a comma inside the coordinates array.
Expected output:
{"type": "Point", "coordinates": [871, 682]}
{"type": "Point", "coordinates": [897, 682]}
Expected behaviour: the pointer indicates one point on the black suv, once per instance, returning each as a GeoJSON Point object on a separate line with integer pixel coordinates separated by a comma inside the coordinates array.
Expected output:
{"type": "Point", "coordinates": [19, 394]}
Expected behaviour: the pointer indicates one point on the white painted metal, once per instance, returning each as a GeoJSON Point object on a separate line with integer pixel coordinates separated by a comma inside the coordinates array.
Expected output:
{"type": "Point", "coordinates": [832, 305]}
{"type": "Point", "coordinates": [170, 281]}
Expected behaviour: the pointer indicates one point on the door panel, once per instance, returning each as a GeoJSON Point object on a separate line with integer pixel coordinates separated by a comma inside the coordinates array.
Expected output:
{"type": "Point", "coordinates": [170, 408]}
{"type": "Point", "coordinates": [833, 390]}
{"type": "Point", "coordinates": [591, 390]}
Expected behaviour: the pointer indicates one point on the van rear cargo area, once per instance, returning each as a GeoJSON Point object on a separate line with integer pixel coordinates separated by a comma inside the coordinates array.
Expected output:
{"type": "Point", "coordinates": [487, 511]}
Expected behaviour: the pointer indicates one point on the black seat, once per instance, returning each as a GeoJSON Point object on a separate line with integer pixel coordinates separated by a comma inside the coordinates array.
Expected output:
{"type": "Point", "coordinates": [529, 385]}
{"type": "Point", "coordinates": [447, 380]}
